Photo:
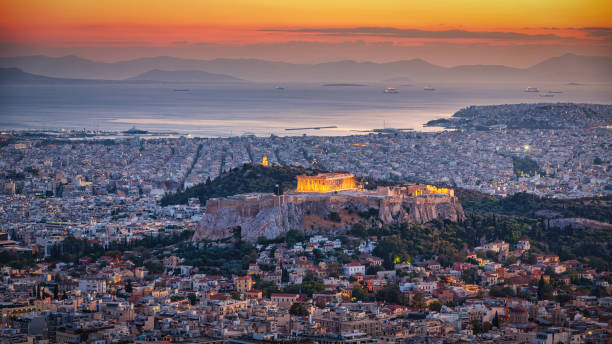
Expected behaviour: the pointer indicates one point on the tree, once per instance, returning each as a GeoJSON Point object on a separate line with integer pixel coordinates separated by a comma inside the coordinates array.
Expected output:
{"type": "Point", "coordinates": [435, 306]}
{"type": "Point", "coordinates": [334, 216]}
{"type": "Point", "coordinates": [418, 300]}
{"type": "Point", "coordinates": [496, 320]}
{"type": "Point", "coordinates": [192, 299]}
{"type": "Point", "coordinates": [390, 293]}
{"type": "Point", "coordinates": [298, 309]}
{"type": "Point", "coordinates": [128, 287]}
{"type": "Point", "coordinates": [470, 275]}
{"type": "Point", "coordinates": [359, 293]}
{"type": "Point", "coordinates": [293, 236]}
{"type": "Point", "coordinates": [267, 288]}
{"type": "Point", "coordinates": [235, 294]}
{"type": "Point", "coordinates": [359, 230]}
{"type": "Point", "coordinates": [373, 269]}
{"type": "Point", "coordinates": [532, 259]}
{"type": "Point", "coordinates": [477, 326]}
{"type": "Point", "coordinates": [545, 291]}
{"type": "Point", "coordinates": [599, 291]}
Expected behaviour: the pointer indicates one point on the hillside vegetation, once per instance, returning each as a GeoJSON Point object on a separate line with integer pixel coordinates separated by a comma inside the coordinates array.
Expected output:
{"type": "Point", "coordinates": [248, 178]}
{"type": "Point", "coordinates": [252, 178]}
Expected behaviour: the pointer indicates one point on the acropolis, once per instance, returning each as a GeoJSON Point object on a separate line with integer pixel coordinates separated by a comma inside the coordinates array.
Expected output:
{"type": "Point", "coordinates": [309, 206]}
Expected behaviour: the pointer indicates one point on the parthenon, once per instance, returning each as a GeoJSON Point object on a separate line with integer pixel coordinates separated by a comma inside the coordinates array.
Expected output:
{"type": "Point", "coordinates": [326, 182]}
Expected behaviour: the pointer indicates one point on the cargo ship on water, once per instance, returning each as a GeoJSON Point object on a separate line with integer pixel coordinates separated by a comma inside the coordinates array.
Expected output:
{"type": "Point", "coordinates": [532, 89]}
{"type": "Point", "coordinates": [390, 90]}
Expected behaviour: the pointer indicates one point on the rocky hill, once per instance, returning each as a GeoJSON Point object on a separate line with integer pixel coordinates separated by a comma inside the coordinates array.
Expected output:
{"type": "Point", "coordinates": [250, 216]}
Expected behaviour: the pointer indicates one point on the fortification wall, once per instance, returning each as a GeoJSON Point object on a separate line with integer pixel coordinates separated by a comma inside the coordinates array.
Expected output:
{"type": "Point", "coordinates": [270, 215]}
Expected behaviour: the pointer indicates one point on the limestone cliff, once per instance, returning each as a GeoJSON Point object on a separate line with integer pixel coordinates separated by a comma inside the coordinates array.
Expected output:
{"type": "Point", "coordinates": [269, 215]}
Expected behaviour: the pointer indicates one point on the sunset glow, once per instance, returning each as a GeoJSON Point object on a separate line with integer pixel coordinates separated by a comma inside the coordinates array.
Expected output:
{"type": "Point", "coordinates": [161, 22]}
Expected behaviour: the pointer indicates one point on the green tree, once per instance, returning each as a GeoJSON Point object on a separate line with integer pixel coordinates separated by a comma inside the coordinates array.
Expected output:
{"type": "Point", "coordinates": [293, 236]}
{"type": "Point", "coordinates": [192, 299]}
{"type": "Point", "coordinates": [470, 276]}
{"type": "Point", "coordinates": [334, 216]}
{"type": "Point", "coordinates": [496, 320]}
{"type": "Point", "coordinates": [477, 327]}
{"type": "Point", "coordinates": [298, 309]}
{"type": "Point", "coordinates": [435, 306]}
{"type": "Point", "coordinates": [418, 300]}
{"type": "Point", "coordinates": [359, 293]}
{"type": "Point", "coordinates": [359, 230]}
{"type": "Point", "coordinates": [545, 291]}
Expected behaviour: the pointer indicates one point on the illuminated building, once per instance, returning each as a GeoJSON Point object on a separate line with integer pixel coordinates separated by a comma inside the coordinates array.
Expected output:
{"type": "Point", "coordinates": [421, 190]}
{"type": "Point", "coordinates": [264, 161]}
{"type": "Point", "coordinates": [326, 182]}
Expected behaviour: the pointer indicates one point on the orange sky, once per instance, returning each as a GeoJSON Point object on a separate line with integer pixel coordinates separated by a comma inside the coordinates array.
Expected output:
{"type": "Point", "coordinates": [116, 29]}
{"type": "Point", "coordinates": [160, 22]}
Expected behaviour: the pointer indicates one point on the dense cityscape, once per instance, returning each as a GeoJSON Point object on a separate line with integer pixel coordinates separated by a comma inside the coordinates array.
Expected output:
{"type": "Point", "coordinates": [90, 255]}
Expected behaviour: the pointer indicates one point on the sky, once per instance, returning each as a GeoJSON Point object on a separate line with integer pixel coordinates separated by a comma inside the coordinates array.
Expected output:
{"type": "Point", "coordinates": [511, 32]}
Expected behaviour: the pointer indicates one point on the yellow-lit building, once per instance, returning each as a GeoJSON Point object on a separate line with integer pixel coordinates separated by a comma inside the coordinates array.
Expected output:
{"type": "Point", "coordinates": [420, 190]}
{"type": "Point", "coordinates": [326, 182]}
{"type": "Point", "coordinates": [243, 283]}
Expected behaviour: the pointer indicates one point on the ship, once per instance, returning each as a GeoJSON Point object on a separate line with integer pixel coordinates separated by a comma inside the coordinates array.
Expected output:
{"type": "Point", "coordinates": [390, 90]}
{"type": "Point", "coordinates": [280, 88]}
{"type": "Point", "coordinates": [428, 88]}
{"type": "Point", "coordinates": [532, 89]}
{"type": "Point", "coordinates": [546, 95]}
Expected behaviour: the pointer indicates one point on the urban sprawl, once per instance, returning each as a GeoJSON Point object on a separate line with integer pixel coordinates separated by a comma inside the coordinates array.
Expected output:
{"type": "Point", "coordinates": [109, 264]}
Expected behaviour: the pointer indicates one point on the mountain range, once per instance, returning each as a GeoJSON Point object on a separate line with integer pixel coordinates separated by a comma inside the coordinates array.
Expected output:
{"type": "Point", "coordinates": [183, 76]}
{"type": "Point", "coordinates": [565, 68]}
{"type": "Point", "coordinates": [17, 76]}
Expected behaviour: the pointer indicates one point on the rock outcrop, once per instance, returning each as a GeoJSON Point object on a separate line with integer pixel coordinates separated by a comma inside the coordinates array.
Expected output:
{"type": "Point", "coordinates": [268, 215]}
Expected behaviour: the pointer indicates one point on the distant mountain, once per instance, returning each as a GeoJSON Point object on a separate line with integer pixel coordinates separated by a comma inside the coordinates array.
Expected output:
{"type": "Point", "coordinates": [184, 76]}
{"type": "Point", "coordinates": [566, 68]}
{"type": "Point", "coordinates": [17, 76]}
{"type": "Point", "coordinates": [570, 67]}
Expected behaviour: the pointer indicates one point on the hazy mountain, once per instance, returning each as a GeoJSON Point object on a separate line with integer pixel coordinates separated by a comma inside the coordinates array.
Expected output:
{"type": "Point", "coordinates": [566, 68]}
{"type": "Point", "coordinates": [184, 76]}
{"type": "Point", "coordinates": [570, 67]}
{"type": "Point", "coordinates": [17, 76]}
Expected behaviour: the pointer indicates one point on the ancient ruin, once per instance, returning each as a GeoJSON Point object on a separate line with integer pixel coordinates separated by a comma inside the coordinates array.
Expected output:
{"type": "Point", "coordinates": [269, 215]}
{"type": "Point", "coordinates": [326, 182]}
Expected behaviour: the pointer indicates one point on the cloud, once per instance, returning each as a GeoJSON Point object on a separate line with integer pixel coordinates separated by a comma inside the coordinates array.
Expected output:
{"type": "Point", "coordinates": [392, 32]}
{"type": "Point", "coordinates": [599, 32]}
{"type": "Point", "coordinates": [109, 43]}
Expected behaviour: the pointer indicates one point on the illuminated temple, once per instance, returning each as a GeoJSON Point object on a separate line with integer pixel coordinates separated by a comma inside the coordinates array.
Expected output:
{"type": "Point", "coordinates": [326, 182]}
{"type": "Point", "coordinates": [423, 190]}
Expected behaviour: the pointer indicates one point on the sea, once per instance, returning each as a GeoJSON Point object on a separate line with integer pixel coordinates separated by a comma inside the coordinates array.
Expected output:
{"type": "Point", "coordinates": [260, 109]}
